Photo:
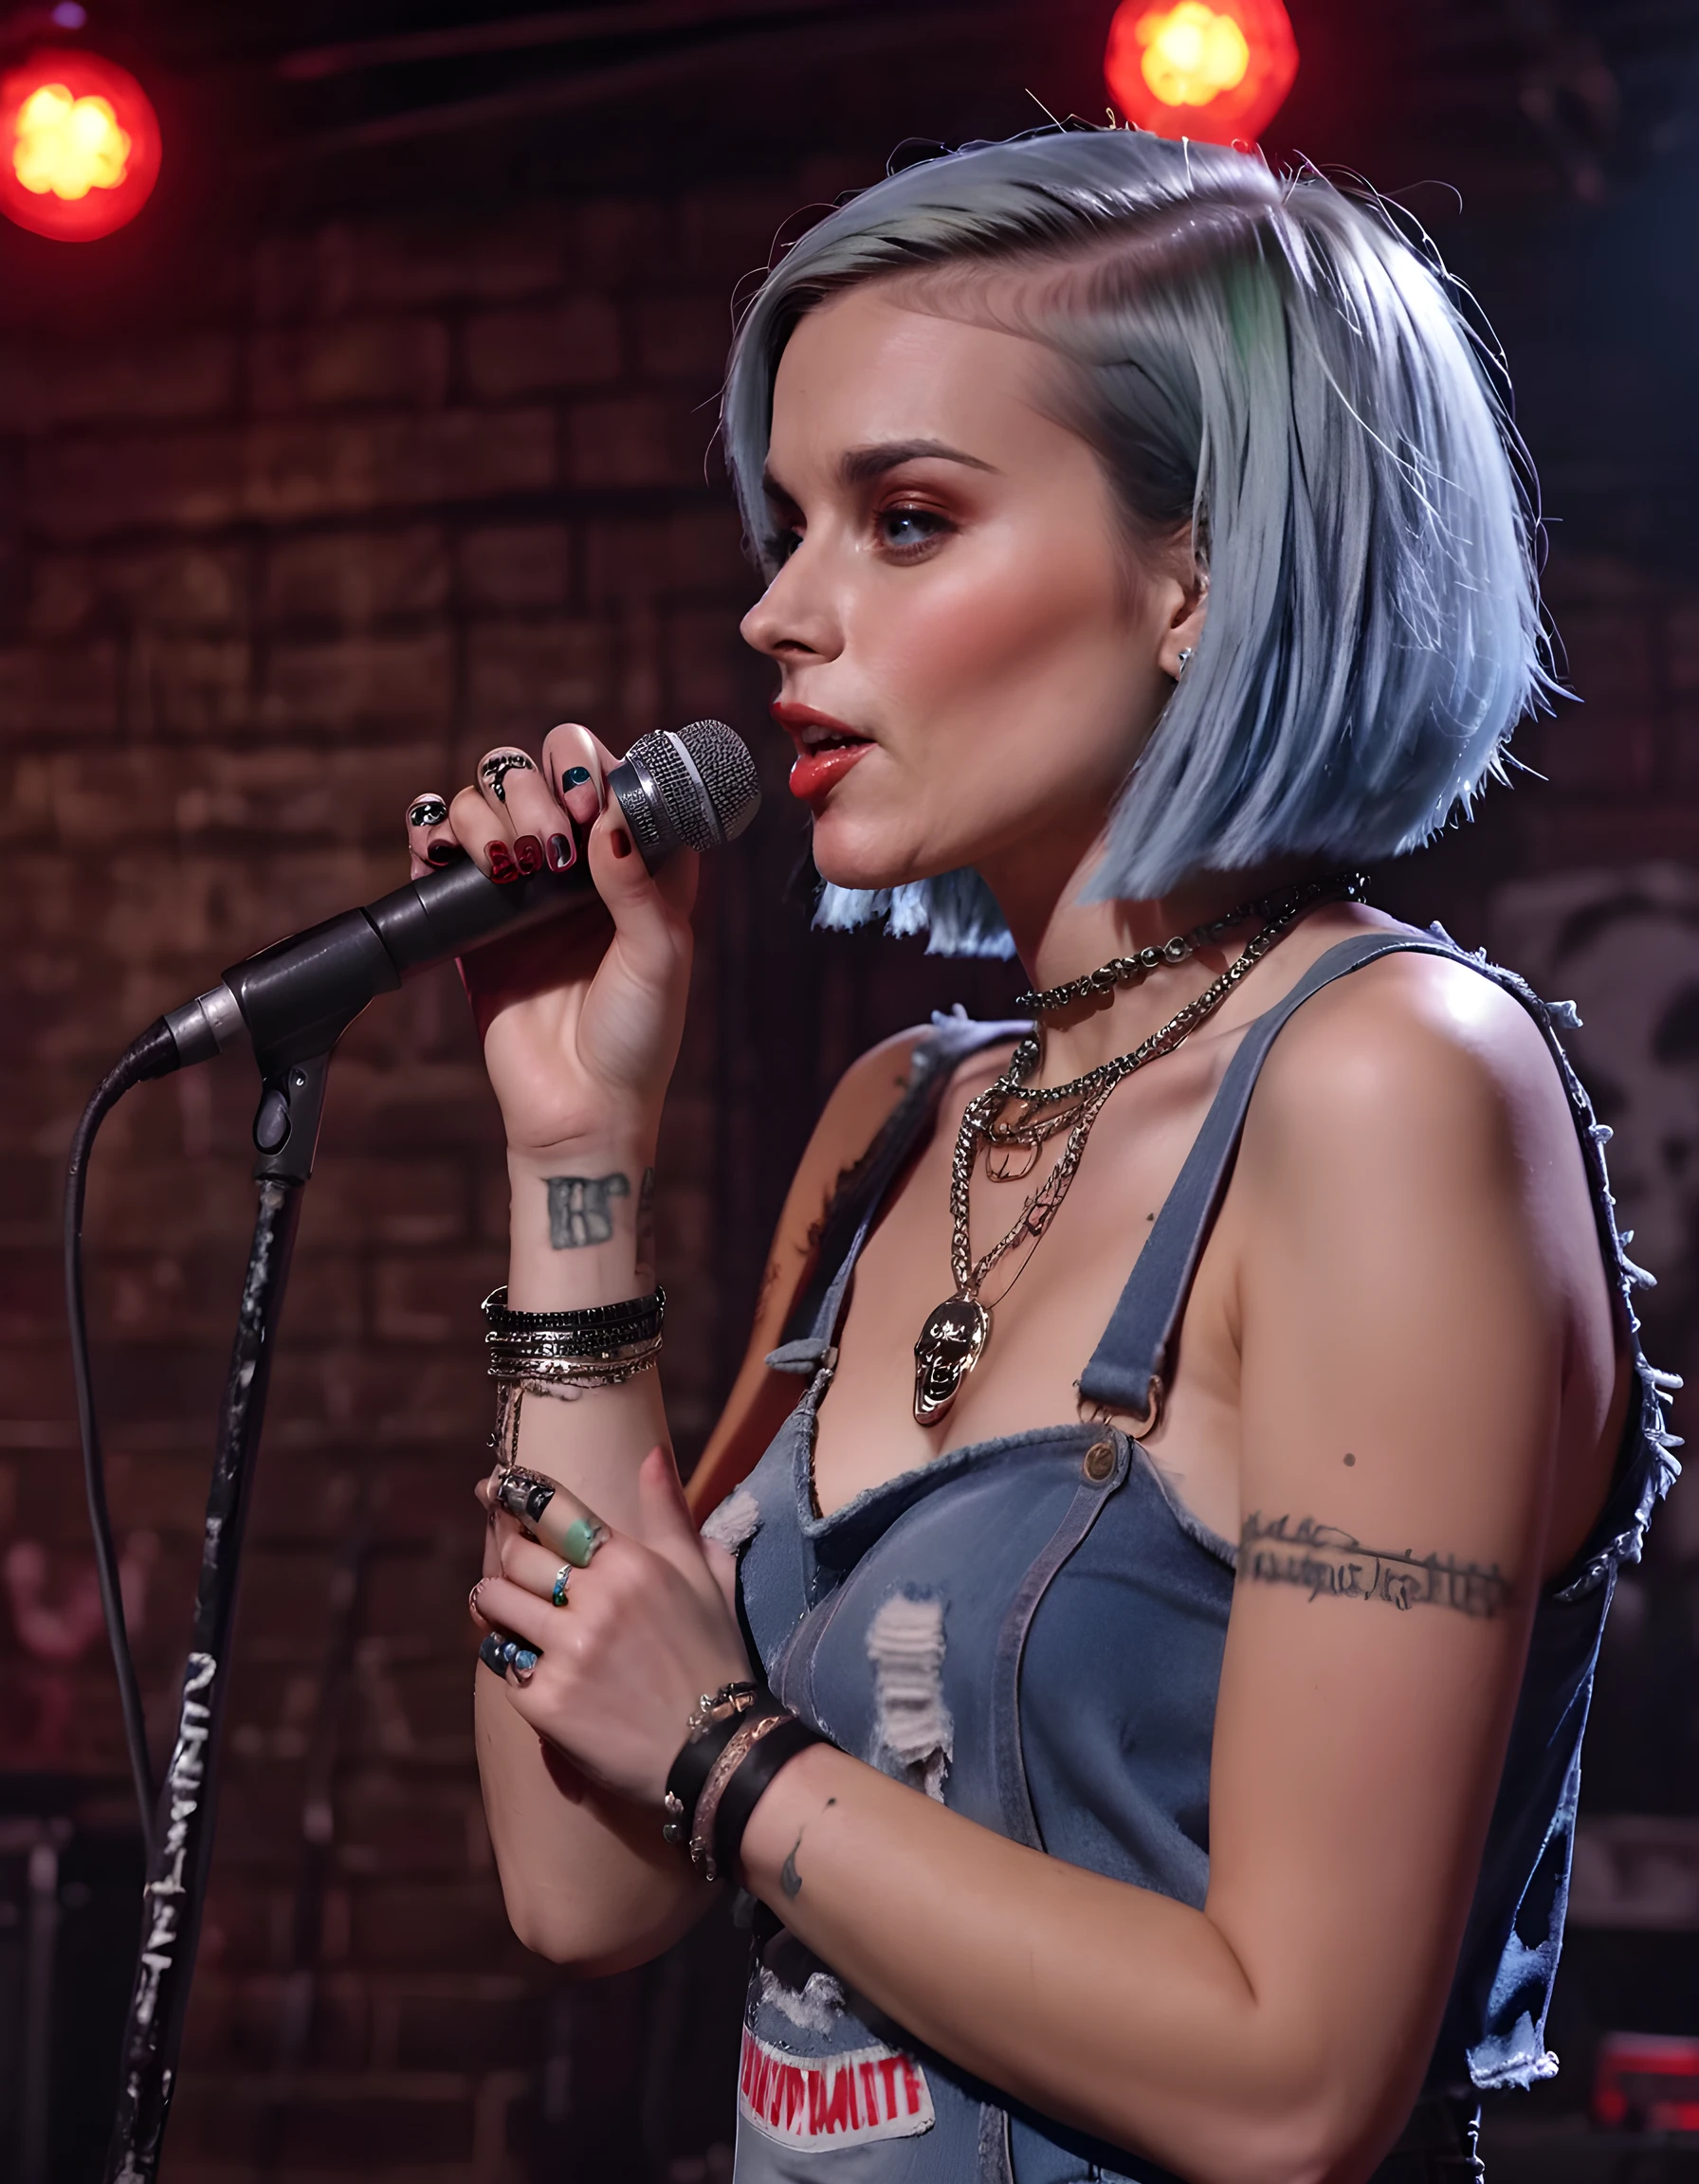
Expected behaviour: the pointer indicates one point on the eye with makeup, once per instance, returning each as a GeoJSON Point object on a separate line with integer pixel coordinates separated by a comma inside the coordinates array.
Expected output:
{"type": "Point", "coordinates": [905, 531]}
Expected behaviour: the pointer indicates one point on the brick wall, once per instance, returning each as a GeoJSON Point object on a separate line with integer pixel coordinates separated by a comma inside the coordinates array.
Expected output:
{"type": "Point", "coordinates": [412, 490]}
{"type": "Point", "coordinates": [404, 490]}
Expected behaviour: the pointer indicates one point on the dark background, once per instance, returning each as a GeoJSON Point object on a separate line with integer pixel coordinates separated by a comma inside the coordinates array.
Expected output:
{"type": "Point", "coordinates": [385, 434]}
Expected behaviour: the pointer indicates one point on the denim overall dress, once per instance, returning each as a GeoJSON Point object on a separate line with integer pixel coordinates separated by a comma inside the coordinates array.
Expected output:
{"type": "Point", "coordinates": [1030, 1631]}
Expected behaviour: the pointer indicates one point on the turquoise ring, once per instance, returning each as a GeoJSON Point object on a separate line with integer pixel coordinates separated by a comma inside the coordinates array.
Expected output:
{"type": "Point", "coordinates": [561, 1575]}
{"type": "Point", "coordinates": [583, 1536]}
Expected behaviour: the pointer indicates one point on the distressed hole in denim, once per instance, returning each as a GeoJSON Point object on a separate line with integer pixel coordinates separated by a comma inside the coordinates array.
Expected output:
{"type": "Point", "coordinates": [734, 1522]}
{"type": "Point", "coordinates": [815, 2007]}
{"type": "Point", "coordinates": [916, 1736]}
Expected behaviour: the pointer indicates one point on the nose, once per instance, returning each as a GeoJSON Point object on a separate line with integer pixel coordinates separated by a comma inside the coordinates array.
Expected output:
{"type": "Point", "coordinates": [795, 619]}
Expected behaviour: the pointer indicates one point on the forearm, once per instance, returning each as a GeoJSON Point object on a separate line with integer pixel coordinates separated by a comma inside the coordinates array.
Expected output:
{"type": "Point", "coordinates": [580, 1236]}
{"type": "Point", "coordinates": [1110, 2007]}
{"type": "Point", "coordinates": [587, 1879]}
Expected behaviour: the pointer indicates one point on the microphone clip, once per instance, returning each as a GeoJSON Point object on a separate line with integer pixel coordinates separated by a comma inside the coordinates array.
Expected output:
{"type": "Point", "coordinates": [286, 1122]}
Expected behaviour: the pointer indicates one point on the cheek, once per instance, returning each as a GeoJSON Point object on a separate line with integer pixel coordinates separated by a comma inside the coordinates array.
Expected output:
{"type": "Point", "coordinates": [988, 635]}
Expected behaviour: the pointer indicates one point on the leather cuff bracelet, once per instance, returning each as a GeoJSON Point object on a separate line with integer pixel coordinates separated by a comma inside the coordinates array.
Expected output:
{"type": "Point", "coordinates": [775, 1743]}
{"type": "Point", "coordinates": [740, 1738]}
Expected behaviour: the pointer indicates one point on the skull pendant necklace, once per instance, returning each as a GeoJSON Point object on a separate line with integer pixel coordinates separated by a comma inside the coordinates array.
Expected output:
{"type": "Point", "coordinates": [1013, 1121]}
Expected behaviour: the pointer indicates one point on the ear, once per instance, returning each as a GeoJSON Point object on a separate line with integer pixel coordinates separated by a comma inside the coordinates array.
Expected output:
{"type": "Point", "coordinates": [1185, 623]}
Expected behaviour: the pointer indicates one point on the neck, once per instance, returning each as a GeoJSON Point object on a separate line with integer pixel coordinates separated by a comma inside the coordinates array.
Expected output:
{"type": "Point", "coordinates": [1060, 937]}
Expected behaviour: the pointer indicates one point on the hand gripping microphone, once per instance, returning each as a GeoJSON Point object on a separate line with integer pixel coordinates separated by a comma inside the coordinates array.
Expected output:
{"type": "Point", "coordinates": [691, 788]}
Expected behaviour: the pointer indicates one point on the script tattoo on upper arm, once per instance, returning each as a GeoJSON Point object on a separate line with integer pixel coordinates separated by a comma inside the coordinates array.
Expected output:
{"type": "Point", "coordinates": [581, 1209]}
{"type": "Point", "coordinates": [1321, 1558]}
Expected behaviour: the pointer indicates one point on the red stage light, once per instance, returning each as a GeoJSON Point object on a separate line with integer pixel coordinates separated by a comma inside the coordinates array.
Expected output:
{"type": "Point", "coordinates": [1215, 70]}
{"type": "Point", "coordinates": [79, 145]}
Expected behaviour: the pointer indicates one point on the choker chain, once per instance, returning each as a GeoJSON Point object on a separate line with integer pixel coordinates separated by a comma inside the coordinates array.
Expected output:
{"type": "Point", "coordinates": [1122, 970]}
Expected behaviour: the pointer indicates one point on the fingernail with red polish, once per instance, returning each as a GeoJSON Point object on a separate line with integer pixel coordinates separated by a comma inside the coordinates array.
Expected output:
{"type": "Point", "coordinates": [444, 854]}
{"type": "Point", "coordinates": [562, 852]}
{"type": "Point", "coordinates": [501, 867]}
{"type": "Point", "coordinates": [527, 853]}
{"type": "Point", "coordinates": [619, 842]}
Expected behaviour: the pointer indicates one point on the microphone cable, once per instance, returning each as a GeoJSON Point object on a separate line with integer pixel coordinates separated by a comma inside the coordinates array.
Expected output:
{"type": "Point", "coordinates": [153, 1054]}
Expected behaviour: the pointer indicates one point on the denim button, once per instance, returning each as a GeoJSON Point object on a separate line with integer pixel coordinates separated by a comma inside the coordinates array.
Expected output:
{"type": "Point", "coordinates": [1099, 1461]}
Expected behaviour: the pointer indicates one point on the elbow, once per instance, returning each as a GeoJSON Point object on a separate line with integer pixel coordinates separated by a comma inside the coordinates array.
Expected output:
{"type": "Point", "coordinates": [1319, 2137]}
{"type": "Point", "coordinates": [592, 1938]}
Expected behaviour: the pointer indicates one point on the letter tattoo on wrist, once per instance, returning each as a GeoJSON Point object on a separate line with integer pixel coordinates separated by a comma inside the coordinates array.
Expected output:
{"type": "Point", "coordinates": [1321, 1558]}
{"type": "Point", "coordinates": [581, 1209]}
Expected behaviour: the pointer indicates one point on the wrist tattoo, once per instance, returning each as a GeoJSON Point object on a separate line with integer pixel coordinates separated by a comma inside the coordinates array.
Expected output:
{"type": "Point", "coordinates": [789, 1879]}
{"type": "Point", "coordinates": [1320, 1558]}
{"type": "Point", "coordinates": [581, 1209]}
{"type": "Point", "coordinates": [645, 1219]}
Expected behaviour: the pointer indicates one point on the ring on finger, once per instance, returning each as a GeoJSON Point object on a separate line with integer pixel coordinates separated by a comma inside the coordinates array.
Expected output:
{"type": "Point", "coordinates": [582, 1538]}
{"type": "Point", "coordinates": [562, 1579]}
{"type": "Point", "coordinates": [494, 770]}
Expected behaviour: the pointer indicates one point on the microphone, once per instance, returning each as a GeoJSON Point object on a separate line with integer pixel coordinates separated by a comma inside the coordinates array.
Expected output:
{"type": "Point", "coordinates": [691, 787]}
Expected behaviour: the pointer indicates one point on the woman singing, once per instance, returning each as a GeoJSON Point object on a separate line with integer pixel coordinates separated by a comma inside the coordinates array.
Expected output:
{"type": "Point", "coordinates": [1142, 1681]}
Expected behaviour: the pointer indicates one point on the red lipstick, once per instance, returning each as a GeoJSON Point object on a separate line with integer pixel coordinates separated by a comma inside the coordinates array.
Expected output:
{"type": "Point", "coordinates": [826, 747]}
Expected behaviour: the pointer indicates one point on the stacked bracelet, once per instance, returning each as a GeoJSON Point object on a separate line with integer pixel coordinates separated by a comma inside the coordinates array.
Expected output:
{"type": "Point", "coordinates": [565, 1354]}
{"type": "Point", "coordinates": [737, 1741]}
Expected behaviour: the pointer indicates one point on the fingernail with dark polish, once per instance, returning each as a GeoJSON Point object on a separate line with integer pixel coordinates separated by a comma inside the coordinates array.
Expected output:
{"type": "Point", "coordinates": [527, 853]}
{"type": "Point", "coordinates": [444, 854]}
{"type": "Point", "coordinates": [562, 852]}
{"type": "Point", "coordinates": [501, 867]}
{"type": "Point", "coordinates": [619, 842]}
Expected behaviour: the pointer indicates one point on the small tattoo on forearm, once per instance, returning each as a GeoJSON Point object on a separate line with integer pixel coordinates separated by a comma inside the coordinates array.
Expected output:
{"type": "Point", "coordinates": [789, 1879]}
{"type": "Point", "coordinates": [645, 1219]}
{"type": "Point", "coordinates": [1320, 1558]}
{"type": "Point", "coordinates": [581, 1209]}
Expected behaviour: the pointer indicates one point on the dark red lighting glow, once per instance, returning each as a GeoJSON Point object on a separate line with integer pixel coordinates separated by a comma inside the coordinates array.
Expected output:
{"type": "Point", "coordinates": [1215, 70]}
{"type": "Point", "coordinates": [79, 145]}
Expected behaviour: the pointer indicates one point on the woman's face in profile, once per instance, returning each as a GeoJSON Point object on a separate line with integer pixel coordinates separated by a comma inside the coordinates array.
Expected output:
{"type": "Point", "coordinates": [972, 650]}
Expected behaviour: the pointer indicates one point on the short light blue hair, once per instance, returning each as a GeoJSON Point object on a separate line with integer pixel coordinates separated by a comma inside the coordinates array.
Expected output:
{"type": "Point", "coordinates": [1276, 364]}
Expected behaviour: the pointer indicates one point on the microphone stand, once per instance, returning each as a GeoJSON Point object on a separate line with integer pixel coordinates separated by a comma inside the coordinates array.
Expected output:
{"type": "Point", "coordinates": [286, 1133]}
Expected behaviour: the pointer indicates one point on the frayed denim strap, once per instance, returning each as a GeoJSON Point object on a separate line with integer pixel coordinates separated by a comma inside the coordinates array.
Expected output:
{"type": "Point", "coordinates": [1128, 1364]}
{"type": "Point", "coordinates": [812, 1325]}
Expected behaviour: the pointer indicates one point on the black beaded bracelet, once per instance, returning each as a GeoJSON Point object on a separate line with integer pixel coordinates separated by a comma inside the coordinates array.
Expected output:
{"type": "Point", "coordinates": [642, 1316]}
{"type": "Point", "coordinates": [753, 1776]}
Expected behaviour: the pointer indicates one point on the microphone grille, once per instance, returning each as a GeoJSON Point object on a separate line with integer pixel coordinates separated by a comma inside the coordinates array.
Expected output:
{"type": "Point", "coordinates": [705, 780]}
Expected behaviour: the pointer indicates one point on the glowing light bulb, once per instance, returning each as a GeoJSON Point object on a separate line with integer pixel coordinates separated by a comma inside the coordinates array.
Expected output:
{"type": "Point", "coordinates": [1216, 70]}
{"type": "Point", "coordinates": [69, 145]}
{"type": "Point", "coordinates": [1192, 54]}
{"type": "Point", "coordinates": [79, 145]}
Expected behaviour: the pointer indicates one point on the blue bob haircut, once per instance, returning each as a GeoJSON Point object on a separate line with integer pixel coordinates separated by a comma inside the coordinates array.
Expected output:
{"type": "Point", "coordinates": [1272, 363]}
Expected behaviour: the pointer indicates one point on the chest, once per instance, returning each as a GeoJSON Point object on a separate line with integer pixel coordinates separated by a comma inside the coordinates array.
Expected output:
{"type": "Point", "coordinates": [1050, 1299]}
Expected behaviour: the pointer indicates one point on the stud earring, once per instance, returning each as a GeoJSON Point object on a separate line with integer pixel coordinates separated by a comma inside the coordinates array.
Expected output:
{"type": "Point", "coordinates": [1185, 660]}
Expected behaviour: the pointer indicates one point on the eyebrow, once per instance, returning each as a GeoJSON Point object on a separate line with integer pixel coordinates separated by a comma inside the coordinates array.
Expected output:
{"type": "Point", "coordinates": [861, 465]}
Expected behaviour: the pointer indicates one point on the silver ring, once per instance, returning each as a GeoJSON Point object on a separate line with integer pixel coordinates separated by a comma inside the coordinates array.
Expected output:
{"type": "Point", "coordinates": [495, 770]}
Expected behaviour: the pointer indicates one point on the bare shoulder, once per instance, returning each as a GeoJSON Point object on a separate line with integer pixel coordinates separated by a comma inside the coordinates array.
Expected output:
{"type": "Point", "coordinates": [1420, 1056]}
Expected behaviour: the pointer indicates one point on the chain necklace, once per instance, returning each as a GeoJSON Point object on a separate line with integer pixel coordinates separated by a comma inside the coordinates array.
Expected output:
{"type": "Point", "coordinates": [956, 1332]}
{"type": "Point", "coordinates": [1122, 970]}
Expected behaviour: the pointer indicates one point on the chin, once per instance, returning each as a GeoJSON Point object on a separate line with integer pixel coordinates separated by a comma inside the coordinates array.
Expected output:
{"type": "Point", "coordinates": [856, 857]}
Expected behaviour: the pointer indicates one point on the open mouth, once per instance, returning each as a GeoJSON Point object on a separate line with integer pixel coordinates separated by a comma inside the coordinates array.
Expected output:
{"type": "Point", "coordinates": [826, 750]}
